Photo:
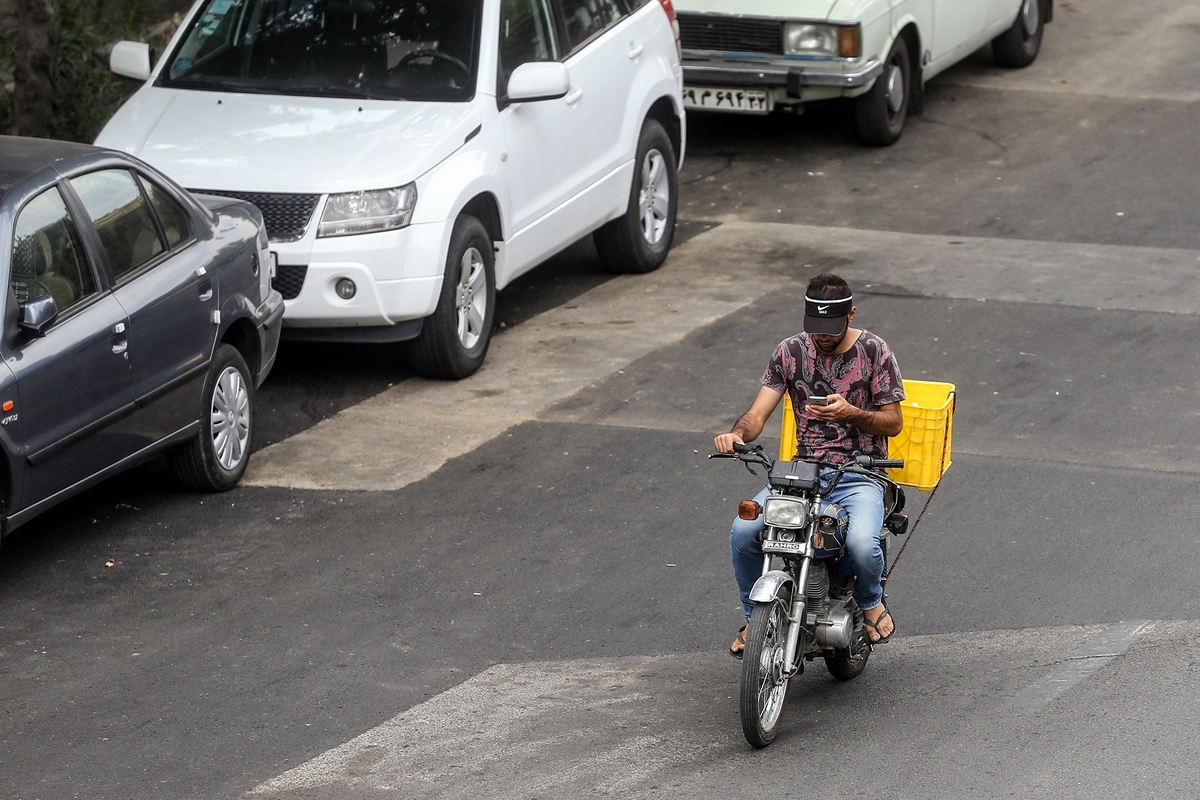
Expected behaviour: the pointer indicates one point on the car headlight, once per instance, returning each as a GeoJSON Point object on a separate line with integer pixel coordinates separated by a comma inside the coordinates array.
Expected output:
{"type": "Point", "coordinates": [811, 39]}
{"type": "Point", "coordinates": [785, 512]}
{"type": "Point", "coordinates": [367, 212]}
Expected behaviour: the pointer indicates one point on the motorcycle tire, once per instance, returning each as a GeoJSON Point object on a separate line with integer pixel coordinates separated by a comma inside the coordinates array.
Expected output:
{"type": "Point", "coordinates": [764, 688]}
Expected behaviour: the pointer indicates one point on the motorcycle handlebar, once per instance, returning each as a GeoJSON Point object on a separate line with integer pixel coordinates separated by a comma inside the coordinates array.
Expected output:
{"type": "Point", "coordinates": [879, 463]}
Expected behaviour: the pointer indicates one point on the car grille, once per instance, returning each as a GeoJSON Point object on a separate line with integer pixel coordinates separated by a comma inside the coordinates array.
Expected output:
{"type": "Point", "coordinates": [708, 32]}
{"type": "Point", "coordinates": [286, 215]}
{"type": "Point", "coordinates": [289, 279]}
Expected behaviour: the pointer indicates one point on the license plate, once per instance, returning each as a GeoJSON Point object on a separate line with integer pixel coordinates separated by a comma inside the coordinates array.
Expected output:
{"type": "Point", "coordinates": [783, 547]}
{"type": "Point", "coordinates": [750, 101]}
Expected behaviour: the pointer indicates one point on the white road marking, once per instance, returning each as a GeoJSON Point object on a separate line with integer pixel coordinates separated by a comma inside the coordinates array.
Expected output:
{"type": "Point", "coordinates": [1097, 653]}
{"type": "Point", "coordinates": [410, 431]}
{"type": "Point", "coordinates": [619, 727]}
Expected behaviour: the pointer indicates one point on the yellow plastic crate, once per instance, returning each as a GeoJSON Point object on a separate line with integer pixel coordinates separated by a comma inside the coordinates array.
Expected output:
{"type": "Point", "coordinates": [924, 444]}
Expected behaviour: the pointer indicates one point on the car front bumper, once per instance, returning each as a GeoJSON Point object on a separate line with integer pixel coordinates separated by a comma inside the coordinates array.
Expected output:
{"type": "Point", "coordinates": [791, 78]}
{"type": "Point", "coordinates": [268, 318]}
{"type": "Point", "coordinates": [397, 277]}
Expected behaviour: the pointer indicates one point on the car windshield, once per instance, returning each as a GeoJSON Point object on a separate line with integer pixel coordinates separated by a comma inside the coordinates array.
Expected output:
{"type": "Point", "coordinates": [379, 49]}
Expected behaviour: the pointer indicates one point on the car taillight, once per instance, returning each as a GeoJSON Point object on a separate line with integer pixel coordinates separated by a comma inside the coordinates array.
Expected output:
{"type": "Point", "coordinates": [670, 9]}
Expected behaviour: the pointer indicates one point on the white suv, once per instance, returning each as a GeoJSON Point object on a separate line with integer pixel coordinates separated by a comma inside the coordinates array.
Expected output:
{"type": "Point", "coordinates": [411, 157]}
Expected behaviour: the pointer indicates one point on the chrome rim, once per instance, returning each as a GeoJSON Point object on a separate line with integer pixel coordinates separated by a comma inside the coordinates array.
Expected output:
{"type": "Point", "coordinates": [772, 685]}
{"type": "Point", "coordinates": [1029, 16]}
{"type": "Point", "coordinates": [895, 89]}
{"type": "Point", "coordinates": [471, 303]}
{"type": "Point", "coordinates": [229, 421]}
{"type": "Point", "coordinates": [655, 198]}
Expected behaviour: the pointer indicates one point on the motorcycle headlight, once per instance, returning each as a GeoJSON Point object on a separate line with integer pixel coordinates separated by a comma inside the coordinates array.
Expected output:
{"type": "Point", "coordinates": [785, 512]}
{"type": "Point", "coordinates": [367, 212]}
{"type": "Point", "coordinates": [811, 39]}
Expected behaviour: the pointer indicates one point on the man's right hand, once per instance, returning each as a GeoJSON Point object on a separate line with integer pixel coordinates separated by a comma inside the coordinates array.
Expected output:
{"type": "Point", "coordinates": [724, 443]}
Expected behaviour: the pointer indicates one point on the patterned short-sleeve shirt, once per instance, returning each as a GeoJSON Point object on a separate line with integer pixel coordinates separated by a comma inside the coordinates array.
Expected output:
{"type": "Point", "coordinates": [866, 375]}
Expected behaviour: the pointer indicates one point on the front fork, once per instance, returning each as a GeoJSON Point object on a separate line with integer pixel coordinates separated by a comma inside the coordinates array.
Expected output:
{"type": "Point", "coordinates": [796, 619]}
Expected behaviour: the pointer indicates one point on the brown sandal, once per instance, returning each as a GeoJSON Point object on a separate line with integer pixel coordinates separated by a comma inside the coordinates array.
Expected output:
{"type": "Point", "coordinates": [740, 638]}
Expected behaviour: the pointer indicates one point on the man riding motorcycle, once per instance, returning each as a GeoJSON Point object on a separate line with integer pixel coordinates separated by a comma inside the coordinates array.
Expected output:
{"type": "Point", "coordinates": [846, 389]}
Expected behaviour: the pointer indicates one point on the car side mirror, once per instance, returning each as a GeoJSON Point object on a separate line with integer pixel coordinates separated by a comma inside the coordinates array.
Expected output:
{"type": "Point", "coordinates": [36, 316]}
{"type": "Point", "coordinates": [131, 60]}
{"type": "Point", "coordinates": [539, 80]}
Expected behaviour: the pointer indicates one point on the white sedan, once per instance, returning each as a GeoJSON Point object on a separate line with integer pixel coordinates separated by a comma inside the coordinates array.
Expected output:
{"type": "Point", "coordinates": [756, 56]}
{"type": "Point", "coordinates": [412, 157]}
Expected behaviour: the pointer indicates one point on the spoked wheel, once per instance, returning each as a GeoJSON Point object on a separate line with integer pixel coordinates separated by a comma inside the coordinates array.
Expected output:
{"type": "Point", "coordinates": [764, 685]}
{"type": "Point", "coordinates": [846, 665]}
{"type": "Point", "coordinates": [216, 459]}
{"type": "Point", "coordinates": [639, 239]}
{"type": "Point", "coordinates": [454, 339]}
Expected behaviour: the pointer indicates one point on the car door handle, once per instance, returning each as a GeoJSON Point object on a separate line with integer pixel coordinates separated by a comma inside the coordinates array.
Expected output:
{"type": "Point", "coordinates": [205, 289]}
{"type": "Point", "coordinates": [120, 342]}
{"type": "Point", "coordinates": [573, 97]}
{"type": "Point", "coordinates": [635, 51]}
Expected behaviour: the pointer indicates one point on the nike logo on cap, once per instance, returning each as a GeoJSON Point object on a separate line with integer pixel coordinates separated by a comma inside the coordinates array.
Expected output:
{"type": "Point", "coordinates": [822, 309]}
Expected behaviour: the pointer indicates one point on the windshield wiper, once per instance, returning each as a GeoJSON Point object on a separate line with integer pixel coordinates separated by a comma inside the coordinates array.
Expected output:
{"type": "Point", "coordinates": [336, 91]}
{"type": "Point", "coordinates": [293, 90]}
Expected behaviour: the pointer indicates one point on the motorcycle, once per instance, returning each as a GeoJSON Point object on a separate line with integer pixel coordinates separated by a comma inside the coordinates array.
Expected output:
{"type": "Point", "coordinates": [804, 607]}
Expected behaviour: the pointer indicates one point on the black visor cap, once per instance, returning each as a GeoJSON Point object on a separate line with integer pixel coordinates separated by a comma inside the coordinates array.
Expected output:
{"type": "Point", "coordinates": [827, 317]}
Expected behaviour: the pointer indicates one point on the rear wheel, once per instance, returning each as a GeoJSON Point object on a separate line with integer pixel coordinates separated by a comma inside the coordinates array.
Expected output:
{"type": "Point", "coordinates": [454, 339]}
{"type": "Point", "coordinates": [882, 111]}
{"type": "Point", "coordinates": [216, 459]}
{"type": "Point", "coordinates": [639, 239]}
{"type": "Point", "coordinates": [764, 686]}
{"type": "Point", "coordinates": [1019, 45]}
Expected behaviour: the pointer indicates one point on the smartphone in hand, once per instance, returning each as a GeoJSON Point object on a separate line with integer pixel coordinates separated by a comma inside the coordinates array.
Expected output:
{"type": "Point", "coordinates": [817, 401]}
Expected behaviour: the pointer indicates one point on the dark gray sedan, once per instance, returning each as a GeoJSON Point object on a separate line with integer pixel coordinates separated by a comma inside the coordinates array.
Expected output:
{"type": "Point", "coordinates": [139, 319]}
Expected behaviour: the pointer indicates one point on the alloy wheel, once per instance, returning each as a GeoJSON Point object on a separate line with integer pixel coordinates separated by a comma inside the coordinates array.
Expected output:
{"type": "Point", "coordinates": [655, 199]}
{"type": "Point", "coordinates": [471, 301]}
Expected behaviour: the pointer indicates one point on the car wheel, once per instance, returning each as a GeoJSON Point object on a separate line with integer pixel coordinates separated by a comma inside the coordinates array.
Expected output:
{"type": "Point", "coordinates": [639, 239]}
{"type": "Point", "coordinates": [454, 339]}
{"type": "Point", "coordinates": [882, 111]}
{"type": "Point", "coordinates": [1019, 45]}
{"type": "Point", "coordinates": [216, 459]}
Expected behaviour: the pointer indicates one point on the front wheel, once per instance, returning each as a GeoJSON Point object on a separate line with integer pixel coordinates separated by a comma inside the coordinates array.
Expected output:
{"type": "Point", "coordinates": [638, 240]}
{"type": "Point", "coordinates": [454, 339]}
{"type": "Point", "coordinates": [764, 686]}
{"type": "Point", "coordinates": [1019, 45]}
{"type": "Point", "coordinates": [882, 111]}
{"type": "Point", "coordinates": [216, 459]}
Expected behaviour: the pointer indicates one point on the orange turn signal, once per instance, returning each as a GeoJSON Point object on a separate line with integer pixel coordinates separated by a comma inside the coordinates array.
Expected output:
{"type": "Point", "coordinates": [8, 405]}
{"type": "Point", "coordinates": [748, 509]}
{"type": "Point", "coordinates": [849, 41]}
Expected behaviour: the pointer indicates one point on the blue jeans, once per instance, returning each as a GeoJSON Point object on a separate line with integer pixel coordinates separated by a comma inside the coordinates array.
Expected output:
{"type": "Point", "coordinates": [863, 500]}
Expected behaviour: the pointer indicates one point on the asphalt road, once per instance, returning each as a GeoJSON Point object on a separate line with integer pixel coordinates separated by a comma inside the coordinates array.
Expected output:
{"type": "Point", "coordinates": [546, 613]}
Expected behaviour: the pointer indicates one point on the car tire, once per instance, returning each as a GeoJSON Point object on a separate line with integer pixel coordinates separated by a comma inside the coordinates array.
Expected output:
{"type": "Point", "coordinates": [638, 240]}
{"type": "Point", "coordinates": [454, 339]}
{"type": "Point", "coordinates": [1019, 45]}
{"type": "Point", "coordinates": [883, 110]}
{"type": "Point", "coordinates": [216, 459]}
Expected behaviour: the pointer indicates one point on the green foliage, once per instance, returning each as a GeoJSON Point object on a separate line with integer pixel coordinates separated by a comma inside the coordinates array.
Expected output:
{"type": "Point", "coordinates": [86, 93]}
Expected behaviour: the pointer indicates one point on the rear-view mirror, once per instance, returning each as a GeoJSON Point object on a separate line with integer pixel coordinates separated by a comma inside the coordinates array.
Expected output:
{"type": "Point", "coordinates": [36, 316]}
{"type": "Point", "coordinates": [131, 60]}
{"type": "Point", "coordinates": [539, 80]}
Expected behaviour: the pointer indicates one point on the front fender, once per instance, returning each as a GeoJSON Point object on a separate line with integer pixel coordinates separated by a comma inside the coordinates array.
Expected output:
{"type": "Point", "coordinates": [768, 587]}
